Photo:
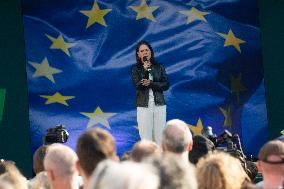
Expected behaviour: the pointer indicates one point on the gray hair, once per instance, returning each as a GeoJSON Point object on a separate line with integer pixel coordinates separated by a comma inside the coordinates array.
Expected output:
{"type": "Point", "coordinates": [176, 136]}
{"type": "Point", "coordinates": [41, 181]}
{"type": "Point", "coordinates": [174, 172]}
{"type": "Point", "coordinates": [61, 159]}
{"type": "Point", "coordinates": [125, 175]}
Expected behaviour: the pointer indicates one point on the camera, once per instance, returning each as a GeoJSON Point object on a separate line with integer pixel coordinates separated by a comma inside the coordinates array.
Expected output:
{"type": "Point", "coordinates": [208, 133]}
{"type": "Point", "coordinates": [57, 134]}
{"type": "Point", "coordinates": [230, 143]}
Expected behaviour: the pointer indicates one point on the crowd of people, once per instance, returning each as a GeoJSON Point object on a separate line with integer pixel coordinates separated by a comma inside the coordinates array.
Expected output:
{"type": "Point", "coordinates": [181, 161]}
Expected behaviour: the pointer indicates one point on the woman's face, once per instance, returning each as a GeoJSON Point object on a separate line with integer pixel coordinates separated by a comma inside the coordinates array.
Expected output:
{"type": "Point", "coordinates": [144, 51]}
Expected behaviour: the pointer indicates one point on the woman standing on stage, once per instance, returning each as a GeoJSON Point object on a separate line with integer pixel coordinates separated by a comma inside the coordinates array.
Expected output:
{"type": "Point", "coordinates": [150, 80]}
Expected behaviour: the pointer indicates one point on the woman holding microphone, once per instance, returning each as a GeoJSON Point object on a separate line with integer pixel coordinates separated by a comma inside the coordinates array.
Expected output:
{"type": "Point", "coordinates": [150, 80]}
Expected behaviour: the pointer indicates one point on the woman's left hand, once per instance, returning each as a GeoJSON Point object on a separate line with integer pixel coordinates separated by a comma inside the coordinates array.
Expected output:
{"type": "Point", "coordinates": [145, 82]}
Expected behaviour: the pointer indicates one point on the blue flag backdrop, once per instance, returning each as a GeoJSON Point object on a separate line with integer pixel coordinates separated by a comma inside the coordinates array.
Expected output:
{"type": "Point", "coordinates": [79, 55]}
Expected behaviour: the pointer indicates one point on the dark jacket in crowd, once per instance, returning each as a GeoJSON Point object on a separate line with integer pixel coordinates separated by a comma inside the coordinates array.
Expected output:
{"type": "Point", "coordinates": [158, 85]}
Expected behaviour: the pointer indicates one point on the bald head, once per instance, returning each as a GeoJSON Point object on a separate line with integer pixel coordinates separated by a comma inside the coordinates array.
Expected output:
{"type": "Point", "coordinates": [144, 149]}
{"type": "Point", "coordinates": [176, 137]}
{"type": "Point", "coordinates": [61, 160]}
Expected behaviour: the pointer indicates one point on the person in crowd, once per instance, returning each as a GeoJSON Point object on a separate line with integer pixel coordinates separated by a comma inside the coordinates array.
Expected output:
{"type": "Point", "coordinates": [8, 166]}
{"type": "Point", "coordinates": [93, 146]}
{"type": "Point", "coordinates": [271, 164]}
{"type": "Point", "coordinates": [125, 175]}
{"type": "Point", "coordinates": [177, 138]}
{"type": "Point", "coordinates": [60, 166]}
{"type": "Point", "coordinates": [41, 181]}
{"type": "Point", "coordinates": [220, 170]}
{"type": "Point", "coordinates": [38, 166]}
{"type": "Point", "coordinates": [11, 174]}
{"type": "Point", "coordinates": [174, 174]}
{"type": "Point", "coordinates": [38, 159]}
{"type": "Point", "coordinates": [150, 80]}
{"type": "Point", "coordinates": [201, 147]}
{"type": "Point", "coordinates": [144, 149]}
{"type": "Point", "coordinates": [5, 185]}
{"type": "Point", "coordinates": [125, 156]}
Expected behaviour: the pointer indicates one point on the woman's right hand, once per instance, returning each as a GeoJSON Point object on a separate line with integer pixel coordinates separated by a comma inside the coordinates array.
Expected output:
{"type": "Point", "coordinates": [145, 82]}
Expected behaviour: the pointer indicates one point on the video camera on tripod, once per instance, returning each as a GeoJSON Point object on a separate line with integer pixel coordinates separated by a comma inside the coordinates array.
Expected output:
{"type": "Point", "coordinates": [226, 141]}
{"type": "Point", "coordinates": [230, 143]}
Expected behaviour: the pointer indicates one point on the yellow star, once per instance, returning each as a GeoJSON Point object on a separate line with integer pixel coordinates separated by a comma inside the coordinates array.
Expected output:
{"type": "Point", "coordinates": [231, 39]}
{"type": "Point", "coordinates": [144, 11]}
{"type": "Point", "coordinates": [44, 70]}
{"type": "Point", "coordinates": [57, 98]}
{"type": "Point", "coordinates": [98, 116]}
{"type": "Point", "coordinates": [198, 128]}
{"type": "Point", "coordinates": [228, 116]}
{"type": "Point", "coordinates": [194, 14]}
{"type": "Point", "coordinates": [59, 43]}
{"type": "Point", "coordinates": [237, 86]}
{"type": "Point", "coordinates": [96, 15]}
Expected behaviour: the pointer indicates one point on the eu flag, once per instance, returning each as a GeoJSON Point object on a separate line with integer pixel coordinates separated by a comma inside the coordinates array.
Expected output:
{"type": "Point", "coordinates": [79, 55]}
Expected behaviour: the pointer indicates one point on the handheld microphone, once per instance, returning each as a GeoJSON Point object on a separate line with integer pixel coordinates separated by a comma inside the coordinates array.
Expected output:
{"type": "Point", "coordinates": [145, 59]}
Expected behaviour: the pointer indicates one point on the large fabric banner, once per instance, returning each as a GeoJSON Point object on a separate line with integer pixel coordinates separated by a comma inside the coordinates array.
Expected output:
{"type": "Point", "coordinates": [79, 56]}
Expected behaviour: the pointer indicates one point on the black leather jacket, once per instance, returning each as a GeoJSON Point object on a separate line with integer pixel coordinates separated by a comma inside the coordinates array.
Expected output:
{"type": "Point", "coordinates": [158, 85]}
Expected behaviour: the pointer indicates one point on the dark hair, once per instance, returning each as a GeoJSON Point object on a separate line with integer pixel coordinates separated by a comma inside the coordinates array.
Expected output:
{"type": "Point", "coordinates": [94, 146]}
{"type": "Point", "coordinates": [138, 61]}
{"type": "Point", "coordinates": [201, 146]}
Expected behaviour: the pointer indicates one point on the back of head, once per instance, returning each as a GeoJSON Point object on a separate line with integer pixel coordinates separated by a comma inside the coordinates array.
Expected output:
{"type": "Point", "coordinates": [5, 185]}
{"type": "Point", "coordinates": [125, 175]}
{"type": "Point", "coordinates": [220, 171]}
{"type": "Point", "coordinates": [17, 181]}
{"type": "Point", "coordinates": [271, 148]}
{"type": "Point", "coordinates": [173, 172]}
{"type": "Point", "coordinates": [41, 181]}
{"type": "Point", "coordinates": [38, 159]}
{"type": "Point", "coordinates": [8, 167]}
{"type": "Point", "coordinates": [61, 160]}
{"type": "Point", "coordinates": [144, 149]}
{"type": "Point", "coordinates": [201, 147]}
{"type": "Point", "coordinates": [94, 146]}
{"type": "Point", "coordinates": [11, 174]}
{"type": "Point", "coordinates": [176, 136]}
{"type": "Point", "coordinates": [271, 157]}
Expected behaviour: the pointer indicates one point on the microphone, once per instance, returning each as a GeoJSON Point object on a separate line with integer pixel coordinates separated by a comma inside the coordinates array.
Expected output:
{"type": "Point", "coordinates": [146, 59]}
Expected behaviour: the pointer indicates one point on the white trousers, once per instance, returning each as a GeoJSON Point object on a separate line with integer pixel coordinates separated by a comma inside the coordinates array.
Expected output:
{"type": "Point", "coordinates": [151, 122]}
